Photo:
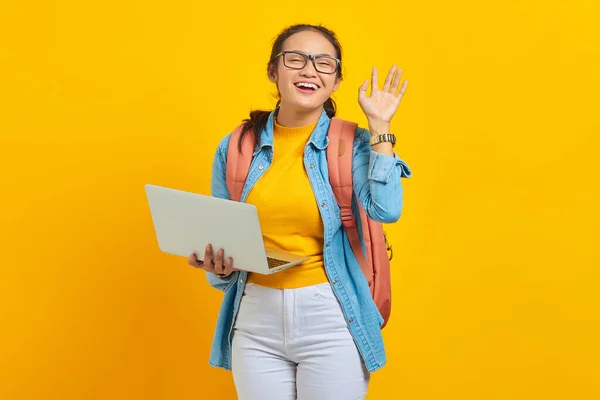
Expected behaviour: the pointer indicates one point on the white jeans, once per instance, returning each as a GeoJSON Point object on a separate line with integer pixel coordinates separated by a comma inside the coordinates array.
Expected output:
{"type": "Point", "coordinates": [295, 344]}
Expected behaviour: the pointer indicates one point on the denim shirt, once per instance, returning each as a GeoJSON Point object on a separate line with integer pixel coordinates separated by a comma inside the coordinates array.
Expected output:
{"type": "Point", "coordinates": [377, 185]}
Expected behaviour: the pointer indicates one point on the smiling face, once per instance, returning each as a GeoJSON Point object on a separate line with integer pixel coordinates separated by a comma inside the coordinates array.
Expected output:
{"type": "Point", "coordinates": [304, 90]}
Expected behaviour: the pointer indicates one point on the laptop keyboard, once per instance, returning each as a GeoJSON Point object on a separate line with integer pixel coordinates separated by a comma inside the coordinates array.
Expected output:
{"type": "Point", "coordinates": [274, 262]}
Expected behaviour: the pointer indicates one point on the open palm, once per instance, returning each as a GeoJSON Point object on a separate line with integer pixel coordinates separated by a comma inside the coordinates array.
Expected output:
{"type": "Point", "coordinates": [381, 105]}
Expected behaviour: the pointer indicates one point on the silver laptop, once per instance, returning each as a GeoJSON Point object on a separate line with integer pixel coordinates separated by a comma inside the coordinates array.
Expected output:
{"type": "Point", "coordinates": [186, 222]}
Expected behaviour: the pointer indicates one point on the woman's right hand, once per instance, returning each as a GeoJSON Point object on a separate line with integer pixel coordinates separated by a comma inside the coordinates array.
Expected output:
{"type": "Point", "coordinates": [219, 266]}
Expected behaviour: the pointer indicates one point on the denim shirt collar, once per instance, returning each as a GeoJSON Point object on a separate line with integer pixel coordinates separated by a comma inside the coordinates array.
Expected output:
{"type": "Point", "coordinates": [318, 138]}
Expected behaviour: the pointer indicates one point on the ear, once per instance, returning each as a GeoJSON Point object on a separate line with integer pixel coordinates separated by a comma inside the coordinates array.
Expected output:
{"type": "Point", "coordinates": [337, 84]}
{"type": "Point", "coordinates": [273, 74]}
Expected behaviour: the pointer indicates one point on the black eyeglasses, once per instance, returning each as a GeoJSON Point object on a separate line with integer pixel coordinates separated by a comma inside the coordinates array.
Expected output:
{"type": "Point", "coordinates": [297, 60]}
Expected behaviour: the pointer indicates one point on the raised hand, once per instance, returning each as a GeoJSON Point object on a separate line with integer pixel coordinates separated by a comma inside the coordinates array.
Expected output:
{"type": "Point", "coordinates": [382, 104]}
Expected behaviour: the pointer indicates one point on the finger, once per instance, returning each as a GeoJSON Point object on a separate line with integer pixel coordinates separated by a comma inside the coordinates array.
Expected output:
{"type": "Point", "coordinates": [374, 80]}
{"type": "Point", "coordinates": [194, 262]}
{"type": "Point", "coordinates": [219, 262]}
{"type": "Point", "coordinates": [397, 79]}
{"type": "Point", "coordinates": [228, 266]}
{"type": "Point", "coordinates": [388, 79]}
{"type": "Point", "coordinates": [208, 258]}
{"type": "Point", "coordinates": [402, 89]}
{"type": "Point", "coordinates": [362, 90]}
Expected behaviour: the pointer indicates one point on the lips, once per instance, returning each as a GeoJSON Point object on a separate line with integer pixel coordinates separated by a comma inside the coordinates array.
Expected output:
{"type": "Point", "coordinates": [308, 86]}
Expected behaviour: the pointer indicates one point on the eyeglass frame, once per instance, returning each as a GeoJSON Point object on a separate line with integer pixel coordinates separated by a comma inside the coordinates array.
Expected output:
{"type": "Point", "coordinates": [309, 57]}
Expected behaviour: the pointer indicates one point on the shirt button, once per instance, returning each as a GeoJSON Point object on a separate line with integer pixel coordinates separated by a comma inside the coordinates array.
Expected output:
{"type": "Point", "coordinates": [241, 280]}
{"type": "Point", "coordinates": [311, 166]}
{"type": "Point", "coordinates": [327, 244]}
{"type": "Point", "coordinates": [261, 167]}
{"type": "Point", "coordinates": [322, 204]}
{"type": "Point", "coordinates": [350, 320]}
{"type": "Point", "coordinates": [334, 282]}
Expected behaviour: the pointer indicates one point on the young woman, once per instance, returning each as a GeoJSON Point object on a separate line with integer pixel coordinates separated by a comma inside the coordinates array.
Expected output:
{"type": "Point", "coordinates": [312, 331]}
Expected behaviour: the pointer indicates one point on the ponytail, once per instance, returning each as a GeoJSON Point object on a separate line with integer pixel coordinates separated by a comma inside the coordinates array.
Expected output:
{"type": "Point", "coordinates": [257, 123]}
{"type": "Point", "coordinates": [330, 107]}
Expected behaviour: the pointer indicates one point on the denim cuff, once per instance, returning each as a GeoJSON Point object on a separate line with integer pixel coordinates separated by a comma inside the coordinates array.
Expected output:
{"type": "Point", "coordinates": [382, 166]}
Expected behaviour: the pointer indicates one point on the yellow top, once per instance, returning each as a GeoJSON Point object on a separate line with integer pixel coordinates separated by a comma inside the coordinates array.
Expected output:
{"type": "Point", "coordinates": [288, 211]}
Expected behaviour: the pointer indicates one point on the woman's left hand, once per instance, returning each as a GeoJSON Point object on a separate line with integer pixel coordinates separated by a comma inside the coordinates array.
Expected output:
{"type": "Point", "coordinates": [381, 105]}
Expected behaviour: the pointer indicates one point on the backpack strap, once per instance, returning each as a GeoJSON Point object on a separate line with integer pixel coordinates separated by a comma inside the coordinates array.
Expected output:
{"type": "Point", "coordinates": [339, 159]}
{"type": "Point", "coordinates": [238, 163]}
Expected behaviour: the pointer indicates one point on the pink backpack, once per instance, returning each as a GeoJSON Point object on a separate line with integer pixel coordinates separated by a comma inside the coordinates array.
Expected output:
{"type": "Point", "coordinates": [376, 264]}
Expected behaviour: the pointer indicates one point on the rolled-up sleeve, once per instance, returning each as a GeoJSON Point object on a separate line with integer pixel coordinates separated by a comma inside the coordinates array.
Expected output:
{"type": "Point", "coordinates": [377, 180]}
{"type": "Point", "coordinates": [381, 167]}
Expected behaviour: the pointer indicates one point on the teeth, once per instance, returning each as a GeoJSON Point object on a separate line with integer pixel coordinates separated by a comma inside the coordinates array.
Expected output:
{"type": "Point", "coordinates": [307, 85]}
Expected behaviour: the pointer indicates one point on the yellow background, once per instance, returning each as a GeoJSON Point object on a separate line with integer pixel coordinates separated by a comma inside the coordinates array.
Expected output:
{"type": "Point", "coordinates": [496, 267]}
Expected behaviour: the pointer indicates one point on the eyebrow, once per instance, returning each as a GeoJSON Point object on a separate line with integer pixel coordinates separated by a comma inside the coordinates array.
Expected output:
{"type": "Point", "coordinates": [316, 55]}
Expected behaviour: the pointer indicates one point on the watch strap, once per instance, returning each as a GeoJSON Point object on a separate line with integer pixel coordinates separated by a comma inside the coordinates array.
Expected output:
{"type": "Point", "coordinates": [386, 137]}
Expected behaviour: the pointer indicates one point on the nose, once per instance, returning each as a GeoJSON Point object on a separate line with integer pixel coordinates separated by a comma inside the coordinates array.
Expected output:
{"type": "Point", "coordinates": [309, 69]}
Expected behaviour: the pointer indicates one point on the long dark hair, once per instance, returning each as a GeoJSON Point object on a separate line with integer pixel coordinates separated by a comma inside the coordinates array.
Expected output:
{"type": "Point", "coordinates": [258, 118]}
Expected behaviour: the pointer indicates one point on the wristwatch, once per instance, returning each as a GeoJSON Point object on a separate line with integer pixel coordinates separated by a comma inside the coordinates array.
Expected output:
{"type": "Point", "coordinates": [386, 137]}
